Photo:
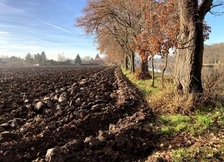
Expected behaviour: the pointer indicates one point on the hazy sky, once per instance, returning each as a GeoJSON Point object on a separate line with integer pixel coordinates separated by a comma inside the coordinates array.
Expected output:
{"type": "Point", "coordinates": [33, 26]}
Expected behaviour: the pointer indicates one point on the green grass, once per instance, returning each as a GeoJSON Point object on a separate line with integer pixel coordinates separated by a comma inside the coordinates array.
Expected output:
{"type": "Point", "coordinates": [144, 86]}
{"type": "Point", "coordinates": [182, 154]}
{"type": "Point", "coordinates": [172, 124]}
{"type": "Point", "coordinates": [202, 154]}
{"type": "Point", "coordinates": [208, 126]}
{"type": "Point", "coordinates": [206, 123]}
{"type": "Point", "coordinates": [204, 120]}
{"type": "Point", "coordinates": [195, 124]}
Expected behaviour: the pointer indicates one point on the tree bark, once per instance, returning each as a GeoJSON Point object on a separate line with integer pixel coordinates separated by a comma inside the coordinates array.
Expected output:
{"type": "Point", "coordinates": [164, 69]}
{"type": "Point", "coordinates": [143, 70]}
{"type": "Point", "coordinates": [126, 62]}
{"type": "Point", "coordinates": [189, 55]}
{"type": "Point", "coordinates": [132, 62]}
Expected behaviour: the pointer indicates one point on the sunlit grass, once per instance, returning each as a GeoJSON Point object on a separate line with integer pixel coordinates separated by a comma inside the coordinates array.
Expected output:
{"type": "Point", "coordinates": [203, 154]}
{"type": "Point", "coordinates": [144, 86]}
{"type": "Point", "coordinates": [196, 124]}
{"type": "Point", "coordinates": [173, 124]}
{"type": "Point", "coordinates": [204, 120]}
{"type": "Point", "coordinates": [182, 154]}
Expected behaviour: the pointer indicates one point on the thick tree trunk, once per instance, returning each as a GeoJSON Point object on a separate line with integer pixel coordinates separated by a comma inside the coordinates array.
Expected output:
{"type": "Point", "coordinates": [196, 83]}
{"type": "Point", "coordinates": [143, 70]}
{"type": "Point", "coordinates": [190, 49]}
{"type": "Point", "coordinates": [126, 62]}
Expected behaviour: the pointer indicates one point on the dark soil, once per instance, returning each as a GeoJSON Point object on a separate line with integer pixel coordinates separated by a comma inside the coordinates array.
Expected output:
{"type": "Point", "coordinates": [72, 114]}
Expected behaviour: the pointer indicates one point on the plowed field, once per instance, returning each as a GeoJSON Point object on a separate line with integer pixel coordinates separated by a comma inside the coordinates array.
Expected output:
{"type": "Point", "coordinates": [69, 114]}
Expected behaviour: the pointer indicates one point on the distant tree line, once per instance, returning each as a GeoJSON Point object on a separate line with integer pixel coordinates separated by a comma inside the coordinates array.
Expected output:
{"type": "Point", "coordinates": [11, 61]}
{"type": "Point", "coordinates": [40, 59]}
{"type": "Point", "coordinates": [214, 54]}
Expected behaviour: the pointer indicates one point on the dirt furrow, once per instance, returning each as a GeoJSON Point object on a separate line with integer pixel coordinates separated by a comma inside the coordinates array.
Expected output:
{"type": "Point", "coordinates": [92, 114]}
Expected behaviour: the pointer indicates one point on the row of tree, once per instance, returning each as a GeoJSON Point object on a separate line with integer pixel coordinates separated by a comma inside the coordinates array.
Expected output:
{"type": "Point", "coordinates": [214, 54]}
{"type": "Point", "coordinates": [149, 28]}
{"type": "Point", "coordinates": [40, 59]}
{"type": "Point", "coordinates": [11, 61]}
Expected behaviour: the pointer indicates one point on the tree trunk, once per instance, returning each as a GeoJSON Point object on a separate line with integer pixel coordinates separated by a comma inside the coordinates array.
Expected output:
{"type": "Point", "coordinates": [143, 70]}
{"type": "Point", "coordinates": [190, 49]}
{"type": "Point", "coordinates": [164, 69]}
{"type": "Point", "coordinates": [126, 62]}
{"type": "Point", "coordinates": [132, 62]}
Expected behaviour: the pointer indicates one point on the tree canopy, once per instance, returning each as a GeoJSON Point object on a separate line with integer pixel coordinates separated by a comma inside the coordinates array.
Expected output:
{"type": "Point", "coordinates": [149, 28]}
{"type": "Point", "coordinates": [78, 60]}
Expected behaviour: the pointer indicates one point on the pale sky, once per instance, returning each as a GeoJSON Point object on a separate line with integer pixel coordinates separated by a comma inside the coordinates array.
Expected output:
{"type": "Point", "coordinates": [33, 26]}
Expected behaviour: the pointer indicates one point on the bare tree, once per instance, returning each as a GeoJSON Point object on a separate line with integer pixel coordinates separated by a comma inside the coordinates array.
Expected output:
{"type": "Point", "coordinates": [61, 57]}
{"type": "Point", "coordinates": [121, 19]}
